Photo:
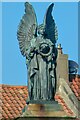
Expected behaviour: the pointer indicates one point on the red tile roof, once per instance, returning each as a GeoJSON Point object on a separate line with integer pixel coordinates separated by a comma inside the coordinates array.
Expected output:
{"type": "Point", "coordinates": [65, 107]}
{"type": "Point", "coordinates": [12, 100]}
{"type": "Point", "coordinates": [75, 86]}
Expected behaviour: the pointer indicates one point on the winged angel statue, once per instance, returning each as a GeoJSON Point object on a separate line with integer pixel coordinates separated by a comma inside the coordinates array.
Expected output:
{"type": "Point", "coordinates": [37, 44]}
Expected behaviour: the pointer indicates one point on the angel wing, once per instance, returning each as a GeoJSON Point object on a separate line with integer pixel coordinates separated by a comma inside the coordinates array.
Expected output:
{"type": "Point", "coordinates": [50, 26]}
{"type": "Point", "coordinates": [27, 28]}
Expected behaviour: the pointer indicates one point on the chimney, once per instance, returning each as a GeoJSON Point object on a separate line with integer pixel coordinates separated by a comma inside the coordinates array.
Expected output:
{"type": "Point", "coordinates": [59, 48]}
{"type": "Point", "coordinates": [62, 64]}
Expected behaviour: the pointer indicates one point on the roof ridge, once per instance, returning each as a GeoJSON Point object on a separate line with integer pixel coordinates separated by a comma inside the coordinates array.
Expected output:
{"type": "Point", "coordinates": [13, 86]}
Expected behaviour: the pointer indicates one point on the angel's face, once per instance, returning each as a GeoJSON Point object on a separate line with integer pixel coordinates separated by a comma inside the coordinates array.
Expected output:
{"type": "Point", "coordinates": [41, 29]}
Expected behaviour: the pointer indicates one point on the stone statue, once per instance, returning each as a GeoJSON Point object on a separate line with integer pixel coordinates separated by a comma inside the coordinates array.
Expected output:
{"type": "Point", "coordinates": [37, 44]}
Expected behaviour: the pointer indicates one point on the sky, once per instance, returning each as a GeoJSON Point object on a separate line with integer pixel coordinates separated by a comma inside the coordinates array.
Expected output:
{"type": "Point", "coordinates": [0, 42]}
{"type": "Point", "coordinates": [14, 70]}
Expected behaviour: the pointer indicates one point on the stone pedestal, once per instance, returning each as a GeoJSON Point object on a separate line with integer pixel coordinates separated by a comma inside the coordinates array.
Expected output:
{"type": "Point", "coordinates": [44, 110]}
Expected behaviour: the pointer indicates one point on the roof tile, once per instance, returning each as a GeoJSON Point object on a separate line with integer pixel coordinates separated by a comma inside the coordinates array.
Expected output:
{"type": "Point", "coordinates": [13, 99]}
{"type": "Point", "coordinates": [62, 102]}
{"type": "Point", "coordinates": [75, 85]}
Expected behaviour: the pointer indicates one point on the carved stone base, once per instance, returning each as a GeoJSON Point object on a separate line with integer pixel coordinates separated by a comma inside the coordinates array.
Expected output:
{"type": "Point", "coordinates": [44, 110]}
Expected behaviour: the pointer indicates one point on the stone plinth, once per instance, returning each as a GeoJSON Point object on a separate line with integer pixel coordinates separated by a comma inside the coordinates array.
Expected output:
{"type": "Point", "coordinates": [44, 110]}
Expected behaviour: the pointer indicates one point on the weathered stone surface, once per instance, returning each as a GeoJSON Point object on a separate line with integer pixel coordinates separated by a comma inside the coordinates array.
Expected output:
{"type": "Point", "coordinates": [62, 67]}
{"type": "Point", "coordinates": [45, 118]}
{"type": "Point", "coordinates": [44, 110]}
{"type": "Point", "coordinates": [66, 93]}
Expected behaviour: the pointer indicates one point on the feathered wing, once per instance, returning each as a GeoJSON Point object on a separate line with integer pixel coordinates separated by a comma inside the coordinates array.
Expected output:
{"type": "Point", "coordinates": [27, 28]}
{"type": "Point", "coordinates": [50, 26]}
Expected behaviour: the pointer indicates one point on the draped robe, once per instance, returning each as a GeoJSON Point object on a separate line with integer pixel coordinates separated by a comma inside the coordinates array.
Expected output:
{"type": "Point", "coordinates": [41, 77]}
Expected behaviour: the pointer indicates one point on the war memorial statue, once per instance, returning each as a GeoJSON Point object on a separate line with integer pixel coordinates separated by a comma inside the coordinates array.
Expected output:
{"type": "Point", "coordinates": [38, 44]}
{"type": "Point", "coordinates": [50, 73]}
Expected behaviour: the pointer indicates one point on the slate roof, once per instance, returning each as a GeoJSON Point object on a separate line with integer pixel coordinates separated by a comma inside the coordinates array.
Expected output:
{"type": "Point", "coordinates": [13, 99]}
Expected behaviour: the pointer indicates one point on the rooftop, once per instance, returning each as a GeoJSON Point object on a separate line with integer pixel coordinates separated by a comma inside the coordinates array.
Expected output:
{"type": "Point", "coordinates": [13, 98]}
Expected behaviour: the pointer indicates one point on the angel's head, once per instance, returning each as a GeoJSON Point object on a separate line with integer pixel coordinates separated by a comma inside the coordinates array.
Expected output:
{"type": "Point", "coordinates": [41, 30]}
